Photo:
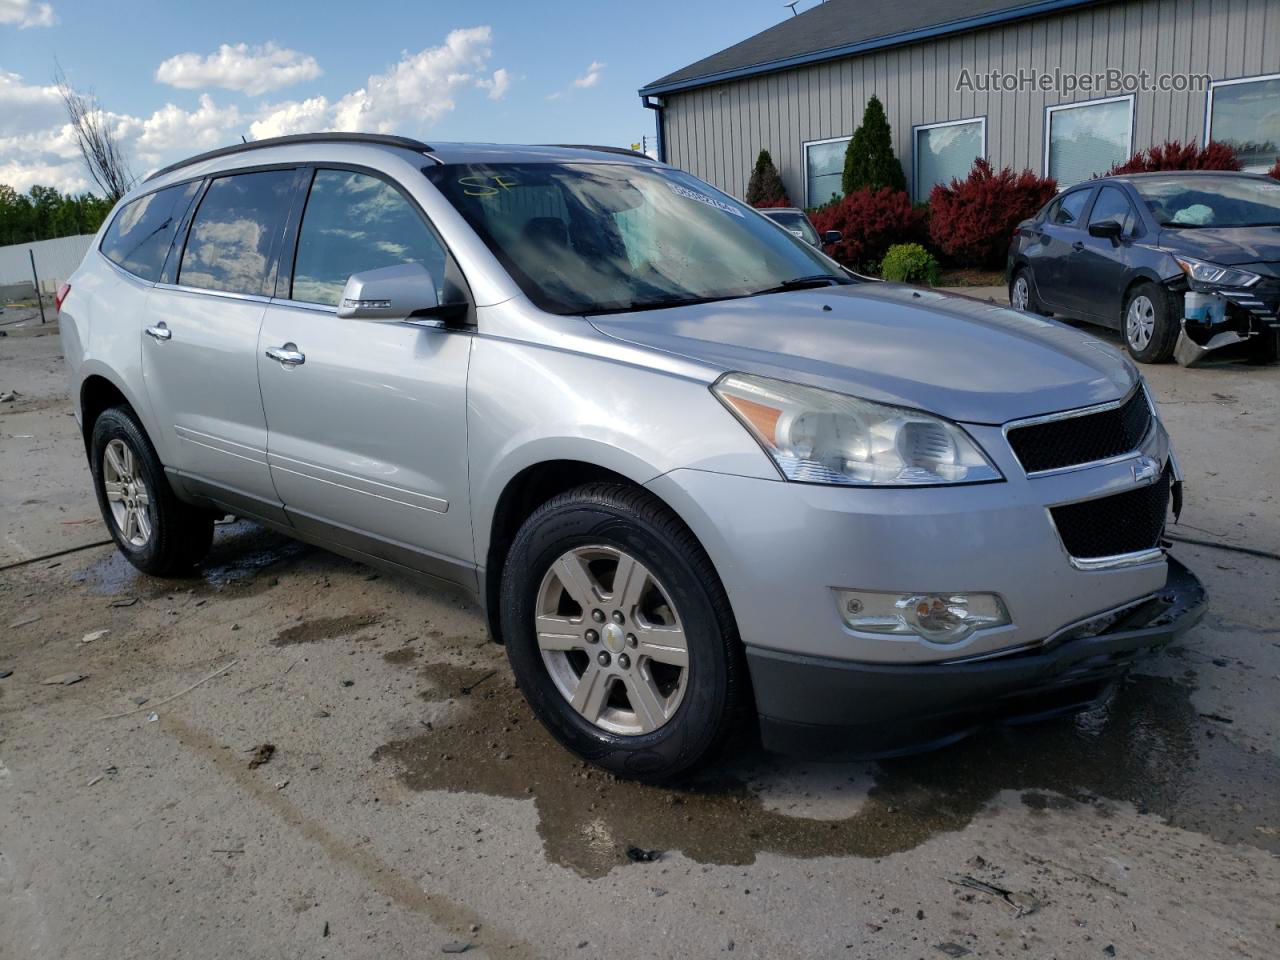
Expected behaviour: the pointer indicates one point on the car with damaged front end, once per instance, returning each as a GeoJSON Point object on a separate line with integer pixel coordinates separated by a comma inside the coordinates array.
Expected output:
{"type": "Point", "coordinates": [1184, 264]}
{"type": "Point", "coordinates": [690, 468]}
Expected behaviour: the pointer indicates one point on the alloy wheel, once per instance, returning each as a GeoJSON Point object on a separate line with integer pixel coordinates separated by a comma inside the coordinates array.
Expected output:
{"type": "Point", "coordinates": [612, 640]}
{"type": "Point", "coordinates": [1021, 292]}
{"type": "Point", "coordinates": [1140, 322]}
{"type": "Point", "coordinates": [127, 494]}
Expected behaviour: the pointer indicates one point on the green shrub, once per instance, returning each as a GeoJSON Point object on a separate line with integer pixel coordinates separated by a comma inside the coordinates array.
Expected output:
{"type": "Point", "coordinates": [869, 163]}
{"type": "Point", "coordinates": [910, 263]}
{"type": "Point", "coordinates": [765, 188]}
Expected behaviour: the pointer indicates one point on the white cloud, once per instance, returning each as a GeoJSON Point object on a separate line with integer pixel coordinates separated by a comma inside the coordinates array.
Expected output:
{"type": "Point", "coordinates": [592, 76]}
{"type": "Point", "coordinates": [409, 97]}
{"type": "Point", "coordinates": [25, 107]}
{"type": "Point", "coordinates": [172, 128]}
{"type": "Point", "coordinates": [252, 70]}
{"type": "Point", "coordinates": [497, 85]}
{"type": "Point", "coordinates": [24, 13]}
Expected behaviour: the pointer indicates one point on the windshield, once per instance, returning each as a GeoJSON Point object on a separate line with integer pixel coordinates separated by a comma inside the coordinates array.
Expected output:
{"type": "Point", "coordinates": [796, 222]}
{"type": "Point", "coordinates": [1200, 201]}
{"type": "Point", "coordinates": [605, 237]}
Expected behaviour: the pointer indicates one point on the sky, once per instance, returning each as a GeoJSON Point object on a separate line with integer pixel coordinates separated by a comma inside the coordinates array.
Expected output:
{"type": "Point", "coordinates": [178, 78]}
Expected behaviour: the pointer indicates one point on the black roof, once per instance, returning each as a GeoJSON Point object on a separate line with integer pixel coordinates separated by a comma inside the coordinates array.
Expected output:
{"type": "Point", "coordinates": [839, 28]}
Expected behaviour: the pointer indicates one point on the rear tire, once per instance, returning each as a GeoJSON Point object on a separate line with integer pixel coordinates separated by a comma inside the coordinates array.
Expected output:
{"type": "Point", "coordinates": [1022, 292]}
{"type": "Point", "coordinates": [156, 532]}
{"type": "Point", "coordinates": [645, 676]}
{"type": "Point", "coordinates": [1149, 323]}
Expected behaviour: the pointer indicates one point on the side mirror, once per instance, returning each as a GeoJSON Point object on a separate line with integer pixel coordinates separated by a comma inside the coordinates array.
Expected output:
{"type": "Point", "coordinates": [832, 236]}
{"type": "Point", "coordinates": [389, 294]}
{"type": "Point", "coordinates": [1107, 229]}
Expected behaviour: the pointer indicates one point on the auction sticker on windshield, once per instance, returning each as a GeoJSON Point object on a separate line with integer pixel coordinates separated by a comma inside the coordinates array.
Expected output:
{"type": "Point", "coordinates": [704, 198]}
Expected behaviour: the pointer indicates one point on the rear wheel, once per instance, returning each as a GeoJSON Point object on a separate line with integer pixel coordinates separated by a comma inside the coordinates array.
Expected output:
{"type": "Point", "coordinates": [619, 632]}
{"type": "Point", "coordinates": [1022, 292]}
{"type": "Point", "coordinates": [1149, 325]}
{"type": "Point", "coordinates": [157, 533]}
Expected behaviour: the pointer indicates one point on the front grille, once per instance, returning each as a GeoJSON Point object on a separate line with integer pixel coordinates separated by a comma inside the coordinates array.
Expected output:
{"type": "Point", "coordinates": [1083, 439]}
{"type": "Point", "coordinates": [1110, 526]}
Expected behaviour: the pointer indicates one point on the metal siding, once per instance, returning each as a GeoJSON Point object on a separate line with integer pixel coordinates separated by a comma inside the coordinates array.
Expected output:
{"type": "Point", "coordinates": [716, 132]}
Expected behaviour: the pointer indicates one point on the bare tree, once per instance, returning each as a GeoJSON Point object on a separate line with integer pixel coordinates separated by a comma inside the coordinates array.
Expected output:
{"type": "Point", "coordinates": [99, 144]}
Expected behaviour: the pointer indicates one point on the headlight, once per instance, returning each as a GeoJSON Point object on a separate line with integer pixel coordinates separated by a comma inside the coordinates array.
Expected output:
{"type": "Point", "coordinates": [1205, 274]}
{"type": "Point", "coordinates": [816, 436]}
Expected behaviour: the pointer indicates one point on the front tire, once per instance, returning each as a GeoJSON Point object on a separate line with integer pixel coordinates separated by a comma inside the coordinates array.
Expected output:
{"type": "Point", "coordinates": [620, 634]}
{"type": "Point", "coordinates": [1149, 324]}
{"type": "Point", "coordinates": [156, 532]}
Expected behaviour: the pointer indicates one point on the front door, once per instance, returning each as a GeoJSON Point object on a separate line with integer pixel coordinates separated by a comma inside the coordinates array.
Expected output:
{"type": "Point", "coordinates": [199, 354]}
{"type": "Point", "coordinates": [1098, 272]}
{"type": "Point", "coordinates": [367, 439]}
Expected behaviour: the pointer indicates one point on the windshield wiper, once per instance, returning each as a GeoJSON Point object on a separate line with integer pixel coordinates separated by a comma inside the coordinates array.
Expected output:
{"type": "Point", "coordinates": [803, 283]}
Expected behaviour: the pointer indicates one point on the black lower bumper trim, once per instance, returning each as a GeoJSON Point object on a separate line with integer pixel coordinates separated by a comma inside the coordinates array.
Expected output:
{"type": "Point", "coordinates": [818, 707]}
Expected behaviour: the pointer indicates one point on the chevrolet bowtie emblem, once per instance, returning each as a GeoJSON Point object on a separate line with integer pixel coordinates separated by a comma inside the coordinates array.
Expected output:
{"type": "Point", "coordinates": [1146, 470]}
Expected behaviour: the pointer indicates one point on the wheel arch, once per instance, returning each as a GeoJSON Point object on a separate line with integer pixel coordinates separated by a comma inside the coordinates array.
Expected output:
{"type": "Point", "coordinates": [99, 392]}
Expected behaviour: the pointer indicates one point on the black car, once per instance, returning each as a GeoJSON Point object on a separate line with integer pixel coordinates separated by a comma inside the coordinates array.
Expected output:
{"type": "Point", "coordinates": [797, 222]}
{"type": "Point", "coordinates": [1183, 263]}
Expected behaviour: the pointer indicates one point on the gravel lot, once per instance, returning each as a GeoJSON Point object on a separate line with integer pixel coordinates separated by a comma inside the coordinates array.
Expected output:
{"type": "Point", "coordinates": [411, 805]}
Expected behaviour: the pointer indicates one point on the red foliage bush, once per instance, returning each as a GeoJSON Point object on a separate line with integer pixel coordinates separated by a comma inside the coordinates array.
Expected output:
{"type": "Point", "coordinates": [1175, 155]}
{"type": "Point", "coordinates": [1274, 172]}
{"type": "Point", "coordinates": [971, 220]}
{"type": "Point", "coordinates": [782, 201]}
{"type": "Point", "coordinates": [871, 221]}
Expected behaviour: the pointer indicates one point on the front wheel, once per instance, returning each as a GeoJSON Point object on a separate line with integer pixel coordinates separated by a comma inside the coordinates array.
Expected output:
{"type": "Point", "coordinates": [157, 533]}
{"type": "Point", "coordinates": [619, 632]}
{"type": "Point", "coordinates": [1149, 325]}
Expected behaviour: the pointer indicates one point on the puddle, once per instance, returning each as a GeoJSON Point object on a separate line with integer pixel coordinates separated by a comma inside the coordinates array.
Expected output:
{"type": "Point", "coordinates": [323, 628]}
{"type": "Point", "coordinates": [241, 552]}
{"type": "Point", "coordinates": [1148, 747]}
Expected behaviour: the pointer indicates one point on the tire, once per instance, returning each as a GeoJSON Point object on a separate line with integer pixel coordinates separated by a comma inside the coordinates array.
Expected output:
{"type": "Point", "coordinates": [1032, 302]}
{"type": "Point", "coordinates": [652, 719]}
{"type": "Point", "coordinates": [1149, 323]}
{"type": "Point", "coordinates": [164, 536]}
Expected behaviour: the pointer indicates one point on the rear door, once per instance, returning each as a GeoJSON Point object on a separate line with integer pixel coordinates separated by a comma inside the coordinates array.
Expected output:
{"type": "Point", "coordinates": [201, 337]}
{"type": "Point", "coordinates": [367, 431]}
{"type": "Point", "coordinates": [1060, 235]}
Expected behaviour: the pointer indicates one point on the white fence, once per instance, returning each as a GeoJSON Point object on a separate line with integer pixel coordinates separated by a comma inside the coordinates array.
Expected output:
{"type": "Point", "coordinates": [55, 261]}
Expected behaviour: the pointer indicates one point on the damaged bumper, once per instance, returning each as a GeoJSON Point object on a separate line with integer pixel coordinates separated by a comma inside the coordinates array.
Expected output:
{"type": "Point", "coordinates": [1213, 322]}
{"type": "Point", "coordinates": [837, 709]}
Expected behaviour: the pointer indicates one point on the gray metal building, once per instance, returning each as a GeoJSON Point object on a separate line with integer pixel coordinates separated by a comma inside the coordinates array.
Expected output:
{"type": "Point", "coordinates": [1182, 69]}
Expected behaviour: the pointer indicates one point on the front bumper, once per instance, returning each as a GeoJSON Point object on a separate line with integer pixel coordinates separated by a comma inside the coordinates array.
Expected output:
{"type": "Point", "coordinates": [820, 707]}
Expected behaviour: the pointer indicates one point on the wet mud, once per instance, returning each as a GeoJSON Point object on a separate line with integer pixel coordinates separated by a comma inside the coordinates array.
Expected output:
{"type": "Point", "coordinates": [1147, 747]}
{"type": "Point", "coordinates": [323, 628]}
{"type": "Point", "coordinates": [241, 556]}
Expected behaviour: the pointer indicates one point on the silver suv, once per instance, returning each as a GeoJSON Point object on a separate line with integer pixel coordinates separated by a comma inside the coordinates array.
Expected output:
{"type": "Point", "coordinates": [689, 466]}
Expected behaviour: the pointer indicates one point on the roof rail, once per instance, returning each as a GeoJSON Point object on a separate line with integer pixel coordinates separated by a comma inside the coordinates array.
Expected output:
{"type": "Point", "coordinates": [381, 139]}
{"type": "Point", "coordinates": [589, 146]}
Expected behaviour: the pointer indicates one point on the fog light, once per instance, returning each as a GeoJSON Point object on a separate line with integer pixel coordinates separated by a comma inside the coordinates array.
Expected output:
{"type": "Point", "coordinates": [935, 617]}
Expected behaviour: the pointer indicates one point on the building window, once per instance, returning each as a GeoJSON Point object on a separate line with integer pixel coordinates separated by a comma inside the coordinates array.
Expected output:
{"type": "Point", "coordinates": [1084, 140]}
{"type": "Point", "coordinates": [1245, 113]}
{"type": "Point", "coordinates": [946, 151]}
{"type": "Point", "coordinates": [823, 170]}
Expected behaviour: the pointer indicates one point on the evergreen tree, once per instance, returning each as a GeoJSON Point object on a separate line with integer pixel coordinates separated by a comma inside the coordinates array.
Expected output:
{"type": "Point", "coordinates": [765, 188]}
{"type": "Point", "coordinates": [869, 163]}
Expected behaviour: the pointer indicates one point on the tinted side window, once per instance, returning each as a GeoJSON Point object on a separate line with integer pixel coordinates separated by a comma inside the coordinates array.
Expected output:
{"type": "Point", "coordinates": [354, 222]}
{"type": "Point", "coordinates": [139, 237]}
{"type": "Point", "coordinates": [1068, 209]}
{"type": "Point", "coordinates": [1112, 204]}
{"type": "Point", "coordinates": [229, 247]}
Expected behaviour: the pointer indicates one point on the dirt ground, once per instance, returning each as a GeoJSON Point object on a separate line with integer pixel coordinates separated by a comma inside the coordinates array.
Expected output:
{"type": "Point", "coordinates": [412, 807]}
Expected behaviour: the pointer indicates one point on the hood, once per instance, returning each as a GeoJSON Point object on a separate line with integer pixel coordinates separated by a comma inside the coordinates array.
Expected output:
{"type": "Point", "coordinates": [1229, 246]}
{"type": "Point", "coordinates": [964, 359]}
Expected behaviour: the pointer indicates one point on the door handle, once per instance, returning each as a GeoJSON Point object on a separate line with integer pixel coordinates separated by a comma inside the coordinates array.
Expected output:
{"type": "Point", "coordinates": [159, 332]}
{"type": "Point", "coordinates": [1078, 245]}
{"type": "Point", "coordinates": [289, 355]}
